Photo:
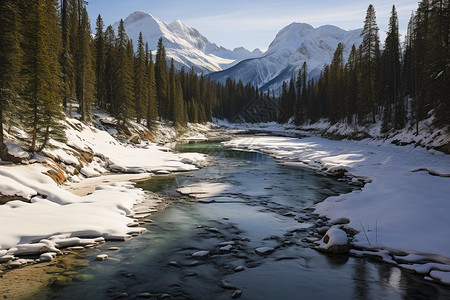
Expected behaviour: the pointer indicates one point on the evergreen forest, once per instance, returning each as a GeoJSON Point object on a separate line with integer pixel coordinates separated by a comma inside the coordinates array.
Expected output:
{"type": "Point", "coordinates": [51, 62]}
{"type": "Point", "coordinates": [399, 85]}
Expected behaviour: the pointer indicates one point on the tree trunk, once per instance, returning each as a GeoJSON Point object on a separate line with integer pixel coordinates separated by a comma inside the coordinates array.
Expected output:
{"type": "Point", "coordinates": [47, 133]}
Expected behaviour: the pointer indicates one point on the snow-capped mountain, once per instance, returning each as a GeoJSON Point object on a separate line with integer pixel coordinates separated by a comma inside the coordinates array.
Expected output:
{"type": "Point", "coordinates": [184, 44]}
{"type": "Point", "coordinates": [293, 45]}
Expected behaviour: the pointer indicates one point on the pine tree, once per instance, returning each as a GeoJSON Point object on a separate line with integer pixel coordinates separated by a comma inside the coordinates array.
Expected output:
{"type": "Point", "coordinates": [100, 63]}
{"type": "Point", "coordinates": [301, 94]}
{"type": "Point", "coordinates": [85, 76]}
{"type": "Point", "coordinates": [123, 106]}
{"type": "Point", "coordinates": [368, 75]}
{"type": "Point", "coordinates": [66, 59]}
{"type": "Point", "coordinates": [161, 79]}
{"type": "Point", "coordinates": [351, 86]}
{"type": "Point", "coordinates": [291, 98]}
{"type": "Point", "coordinates": [202, 99]}
{"type": "Point", "coordinates": [438, 37]}
{"type": "Point", "coordinates": [110, 67]}
{"type": "Point", "coordinates": [10, 61]}
{"type": "Point", "coordinates": [336, 85]}
{"type": "Point", "coordinates": [178, 106]}
{"type": "Point", "coordinates": [284, 100]}
{"type": "Point", "coordinates": [70, 52]}
{"type": "Point", "coordinates": [42, 93]}
{"type": "Point", "coordinates": [140, 81]}
{"type": "Point", "coordinates": [394, 112]}
{"type": "Point", "coordinates": [194, 92]}
{"type": "Point", "coordinates": [152, 104]}
{"type": "Point", "coordinates": [171, 92]}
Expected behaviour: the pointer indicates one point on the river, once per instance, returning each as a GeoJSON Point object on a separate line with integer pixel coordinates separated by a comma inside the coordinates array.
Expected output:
{"type": "Point", "coordinates": [269, 205]}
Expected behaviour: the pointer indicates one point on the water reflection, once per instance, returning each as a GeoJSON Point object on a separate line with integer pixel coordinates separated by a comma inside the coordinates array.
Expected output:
{"type": "Point", "coordinates": [361, 288]}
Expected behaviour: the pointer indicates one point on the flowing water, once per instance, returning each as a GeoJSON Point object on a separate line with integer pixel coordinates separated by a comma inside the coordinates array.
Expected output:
{"type": "Point", "coordinates": [267, 206]}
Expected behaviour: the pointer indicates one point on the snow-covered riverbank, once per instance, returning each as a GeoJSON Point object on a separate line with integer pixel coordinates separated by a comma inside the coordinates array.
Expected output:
{"type": "Point", "coordinates": [404, 204]}
{"type": "Point", "coordinates": [401, 212]}
{"type": "Point", "coordinates": [41, 215]}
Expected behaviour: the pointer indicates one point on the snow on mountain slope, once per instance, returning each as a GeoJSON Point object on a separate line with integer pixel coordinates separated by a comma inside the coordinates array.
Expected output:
{"type": "Point", "coordinates": [293, 45]}
{"type": "Point", "coordinates": [186, 45]}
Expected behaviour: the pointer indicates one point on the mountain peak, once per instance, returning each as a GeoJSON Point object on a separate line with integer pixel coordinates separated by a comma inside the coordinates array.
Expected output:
{"type": "Point", "coordinates": [178, 23]}
{"type": "Point", "coordinates": [136, 16]}
{"type": "Point", "coordinates": [290, 35]}
{"type": "Point", "coordinates": [186, 45]}
{"type": "Point", "coordinates": [293, 45]}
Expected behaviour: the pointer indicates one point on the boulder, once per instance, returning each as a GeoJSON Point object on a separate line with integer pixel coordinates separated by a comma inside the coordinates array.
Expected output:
{"type": "Point", "coordinates": [264, 250]}
{"type": "Point", "coordinates": [334, 241]}
{"type": "Point", "coordinates": [101, 257]}
{"type": "Point", "coordinates": [200, 254]}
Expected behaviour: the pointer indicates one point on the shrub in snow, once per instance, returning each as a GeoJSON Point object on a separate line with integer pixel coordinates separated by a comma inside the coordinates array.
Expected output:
{"type": "Point", "coordinates": [334, 241]}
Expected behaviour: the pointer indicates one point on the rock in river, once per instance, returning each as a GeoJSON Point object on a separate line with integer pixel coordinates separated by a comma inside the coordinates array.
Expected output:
{"type": "Point", "coordinates": [264, 250]}
{"type": "Point", "coordinates": [200, 254]}
{"type": "Point", "coordinates": [101, 257]}
{"type": "Point", "coordinates": [334, 241]}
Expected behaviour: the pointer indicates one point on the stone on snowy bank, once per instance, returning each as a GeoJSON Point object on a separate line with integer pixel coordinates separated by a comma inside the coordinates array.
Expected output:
{"type": "Point", "coordinates": [339, 221]}
{"type": "Point", "coordinates": [334, 241]}
{"type": "Point", "coordinates": [6, 258]}
{"type": "Point", "coordinates": [19, 262]}
{"type": "Point", "coordinates": [46, 257]}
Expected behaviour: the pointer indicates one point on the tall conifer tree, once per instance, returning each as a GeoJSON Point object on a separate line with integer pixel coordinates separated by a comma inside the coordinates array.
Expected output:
{"type": "Point", "coordinates": [122, 106]}
{"type": "Point", "coordinates": [42, 93]}
{"type": "Point", "coordinates": [66, 59]}
{"type": "Point", "coordinates": [152, 104]}
{"type": "Point", "coordinates": [394, 112]}
{"type": "Point", "coordinates": [368, 76]}
{"type": "Point", "coordinates": [85, 76]}
{"type": "Point", "coordinates": [351, 86]}
{"type": "Point", "coordinates": [140, 81]}
{"type": "Point", "coordinates": [110, 67]}
{"type": "Point", "coordinates": [161, 79]}
{"type": "Point", "coordinates": [100, 63]}
{"type": "Point", "coordinates": [10, 62]}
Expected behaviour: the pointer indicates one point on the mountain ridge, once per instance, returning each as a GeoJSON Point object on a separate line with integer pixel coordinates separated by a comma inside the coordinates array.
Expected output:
{"type": "Point", "coordinates": [186, 45]}
{"type": "Point", "coordinates": [293, 45]}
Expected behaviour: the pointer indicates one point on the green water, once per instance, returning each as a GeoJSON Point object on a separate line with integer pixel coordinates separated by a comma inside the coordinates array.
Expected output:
{"type": "Point", "coordinates": [261, 209]}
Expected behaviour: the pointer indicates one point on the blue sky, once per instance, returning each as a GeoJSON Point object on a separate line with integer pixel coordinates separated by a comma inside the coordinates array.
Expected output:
{"type": "Point", "coordinates": [253, 24]}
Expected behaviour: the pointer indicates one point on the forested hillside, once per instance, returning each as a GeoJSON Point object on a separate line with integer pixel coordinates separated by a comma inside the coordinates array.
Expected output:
{"type": "Point", "coordinates": [397, 85]}
{"type": "Point", "coordinates": [51, 63]}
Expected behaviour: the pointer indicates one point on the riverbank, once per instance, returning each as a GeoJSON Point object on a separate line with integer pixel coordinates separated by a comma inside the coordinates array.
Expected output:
{"type": "Point", "coordinates": [390, 213]}
{"type": "Point", "coordinates": [60, 199]}
{"type": "Point", "coordinates": [401, 210]}
{"type": "Point", "coordinates": [41, 278]}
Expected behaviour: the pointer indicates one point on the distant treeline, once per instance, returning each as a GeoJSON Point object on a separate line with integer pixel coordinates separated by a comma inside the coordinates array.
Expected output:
{"type": "Point", "coordinates": [396, 85]}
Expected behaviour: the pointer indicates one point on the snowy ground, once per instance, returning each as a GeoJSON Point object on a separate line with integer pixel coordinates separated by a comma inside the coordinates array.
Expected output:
{"type": "Point", "coordinates": [403, 205]}
{"type": "Point", "coordinates": [101, 208]}
{"type": "Point", "coordinates": [427, 136]}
